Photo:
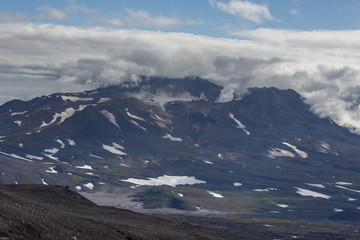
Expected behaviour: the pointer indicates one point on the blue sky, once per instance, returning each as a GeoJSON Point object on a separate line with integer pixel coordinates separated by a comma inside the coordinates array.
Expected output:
{"type": "Point", "coordinates": [197, 17]}
{"type": "Point", "coordinates": [311, 46]}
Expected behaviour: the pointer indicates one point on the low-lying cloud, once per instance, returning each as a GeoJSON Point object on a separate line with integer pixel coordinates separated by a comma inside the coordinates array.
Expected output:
{"type": "Point", "coordinates": [323, 66]}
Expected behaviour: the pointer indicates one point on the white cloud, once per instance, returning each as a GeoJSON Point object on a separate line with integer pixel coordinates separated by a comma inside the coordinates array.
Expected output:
{"type": "Point", "coordinates": [323, 66]}
{"type": "Point", "coordinates": [248, 10]}
{"type": "Point", "coordinates": [49, 12]}
{"type": "Point", "coordinates": [10, 16]}
{"type": "Point", "coordinates": [144, 19]}
{"type": "Point", "coordinates": [294, 12]}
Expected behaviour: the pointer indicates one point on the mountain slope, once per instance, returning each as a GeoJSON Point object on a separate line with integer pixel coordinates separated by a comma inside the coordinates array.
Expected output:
{"type": "Point", "coordinates": [255, 153]}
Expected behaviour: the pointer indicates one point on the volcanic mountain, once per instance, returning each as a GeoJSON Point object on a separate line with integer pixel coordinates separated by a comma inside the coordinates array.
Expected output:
{"type": "Point", "coordinates": [171, 143]}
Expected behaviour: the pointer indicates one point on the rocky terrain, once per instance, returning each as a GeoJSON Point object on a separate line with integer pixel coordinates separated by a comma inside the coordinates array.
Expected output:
{"type": "Point", "coordinates": [54, 212]}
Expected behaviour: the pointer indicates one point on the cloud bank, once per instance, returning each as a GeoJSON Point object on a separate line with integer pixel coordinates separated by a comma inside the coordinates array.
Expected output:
{"type": "Point", "coordinates": [323, 66]}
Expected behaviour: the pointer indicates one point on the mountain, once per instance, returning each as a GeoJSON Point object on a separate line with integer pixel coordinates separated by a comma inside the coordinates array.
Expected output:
{"type": "Point", "coordinates": [169, 143]}
{"type": "Point", "coordinates": [53, 212]}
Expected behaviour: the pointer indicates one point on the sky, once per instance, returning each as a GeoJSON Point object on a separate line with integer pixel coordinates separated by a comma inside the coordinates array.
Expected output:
{"type": "Point", "coordinates": [311, 46]}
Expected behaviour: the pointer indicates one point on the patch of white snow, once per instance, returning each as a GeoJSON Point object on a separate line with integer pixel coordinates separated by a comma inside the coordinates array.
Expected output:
{"type": "Point", "coordinates": [165, 180]}
{"type": "Point", "coordinates": [103, 100]}
{"type": "Point", "coordinates": [115, 149]}
{"type": "Point", "coordinates": [110, 117]}
{"type": "Point", "coordinates": [52, 170]}
{"type": "Point", "coordinates": [308, 193]}
{"type": "Point", "coordinates": [349, 189]}
{"type": "Point", "coordinates": [138, 125]}
{"type": "Point", "coordinates": [277, 152]}
{"type": "Point", "coordinates": [134, 116]}
{"type": "Point", "coordinates": [15, 156]}
{"type": "Point", "coordinates": [63, 115]}
{"type": "Point", "coordinates": [85, 167]}
{"type": "Point", "coordinates": [344, 183]}
{"type": "Point", "coordinates": [208, 162]}
{"type": "Point", "coordinates": [18, 113]}
{"type": "Point", "coordinates": [62, 145]}
{"type": "Point", "coordinates": [89, 186]}
{"type": "Point", "coordinates": [315, 185]}
{"type": "Point", "coordinates": [43, 182]}
{"type": "Point", "coordinates": [18, 122]}
{"type": "Point", "coordinates": [32, 157]}
{"type": "Point", "coordinates": [215, 195]}
{"type": "Point", "coordinates": [239, 124]}
{"type": "Point", "coordinates": [299, 152]}
{"type": "Point", "coordinates": [171, 138]}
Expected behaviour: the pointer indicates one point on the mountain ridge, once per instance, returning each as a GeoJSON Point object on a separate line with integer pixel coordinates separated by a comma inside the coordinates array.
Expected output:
{"type": "Point", "coordinates": [266, 145]}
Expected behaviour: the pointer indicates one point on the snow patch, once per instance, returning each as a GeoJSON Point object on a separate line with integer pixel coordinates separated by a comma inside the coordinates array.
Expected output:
{"type": "Point", "coordinates": [299, 152]}
{"type": "Point", "coordinates": [220, 156]}
{"type": "Point", "coordinates": [18, 113]}
{"type": "Point", "coordinates": [181, 195]}
{"type": "Point", "coordinates": [124, 165]}
{"type": "Point", "coordinates": [61, 143]}
{"type": "Point", "coordinates": [89, 186]}
{"type": "Point", "coordinates": [208, 162]}
{"type": "Point", "coordinates": [138, 125]}
{"type": "Point", "coordinates": [315, 185]}
{"type": "Point", "coordinates": [237, 184]}
{"type": "Point", "coordinates": [51, 157]}
{"type": "Point", "coordinates": [165, 180]}
{"type": "Point", "coordinates": [102, 100]}
{"type": "Point", "coordinates": [171, 138]}
{"type": "Point", "coordinates": [338, 210]}
{"type": "Point", "coordinates": [344, 183]}
{"type": "Point", "coordinates": [18, 122]}
{"type": "Point", "coordinates": [52, 170]}
{"type": "Point", "coordinates": [324, 147]}
{"type": "Point", "coordinates": [215, 195]}
{"type": "Point", "coordinates": [349, 189]}
{"type": "Point", "coordinates": [115, 149]}
{"type": "Point", "coordinates": [282, 205]}
{"type": "Point", "coordinates": [43, 182]}
{"type": "Point", "coordinates": [239, 124]}
{"type": "Point", "coordinates": [95, 156]}
{"type": "Point", "coordinates": [277, 152]}
{"type": "Point", "coordinates": [78, 188]}
{"type": "Point", "coordinates": [308, 193]}
{"type": "Point", "coordinates": [71, 142]}
{"type": "Point", "coordinates": [15, 156]}
{"type": "Point", "coordinates": [32, 157]}
{"type": "Point", "coordinates": [110, 117]}
{"type": "Point", "coordinates": [21, 145]}
{"type": "Point", "coordinates": [85, 167]}
{"type": "Point", "coordinates": [265, 189]}
{"type": "Point", "coordinates": [63, 115]}
{"type": "Point", "coordinates": [134, 116]}
{"type": "Point", "coordinates": [51, 150]}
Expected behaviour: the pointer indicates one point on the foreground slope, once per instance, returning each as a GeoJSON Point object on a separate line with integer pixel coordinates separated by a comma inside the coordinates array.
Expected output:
{"type": "Point", "coordinates": [53, 212]}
